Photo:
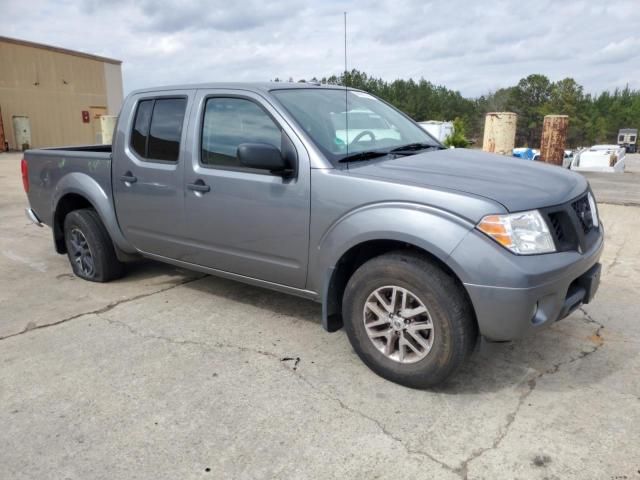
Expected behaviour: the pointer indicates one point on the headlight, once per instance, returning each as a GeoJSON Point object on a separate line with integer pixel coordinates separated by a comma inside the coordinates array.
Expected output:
{"type": "Point", "coordinates": [594, 211]}
{"type": "Point", "coordinates": [524, 233]}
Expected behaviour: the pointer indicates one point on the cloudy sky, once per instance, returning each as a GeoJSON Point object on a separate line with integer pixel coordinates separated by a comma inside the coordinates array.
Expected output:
{"type": "Point", "coordinates": [471, 46]}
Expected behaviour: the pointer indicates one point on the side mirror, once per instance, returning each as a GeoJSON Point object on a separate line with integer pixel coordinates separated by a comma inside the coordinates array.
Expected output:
{"type": "Point", "coordinates": [263, 156]}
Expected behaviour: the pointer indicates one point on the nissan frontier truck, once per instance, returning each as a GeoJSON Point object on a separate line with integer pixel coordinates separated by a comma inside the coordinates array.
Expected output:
{"type": "Point", "coordinates": [333, 195]}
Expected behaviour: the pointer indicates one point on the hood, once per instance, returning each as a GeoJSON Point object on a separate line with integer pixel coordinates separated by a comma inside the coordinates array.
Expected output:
{"type": "Point", "coordinates": [516, 183]}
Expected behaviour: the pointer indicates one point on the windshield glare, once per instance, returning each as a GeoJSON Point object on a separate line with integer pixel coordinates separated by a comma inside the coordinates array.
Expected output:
{"type": "Point", "coordinates": [366, 124]}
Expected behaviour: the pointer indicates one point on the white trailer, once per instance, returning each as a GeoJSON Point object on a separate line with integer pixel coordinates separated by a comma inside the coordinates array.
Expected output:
{"type": "Point", "coordinates": [599, 158]}
{"type": "Point", "coordinates": [439, 130]}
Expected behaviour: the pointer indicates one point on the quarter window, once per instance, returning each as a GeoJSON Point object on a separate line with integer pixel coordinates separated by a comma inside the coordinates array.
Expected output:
{"type": "Point", "coordinates": [228, 122]}
{"type": "Point", "coordinates": [140, 132]}
{"type": "Point", "coordinates": [158, 127]}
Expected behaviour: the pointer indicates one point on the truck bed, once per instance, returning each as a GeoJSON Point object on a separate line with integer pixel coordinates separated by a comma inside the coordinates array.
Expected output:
{"type": "Point", "coordinates": [51, 168]}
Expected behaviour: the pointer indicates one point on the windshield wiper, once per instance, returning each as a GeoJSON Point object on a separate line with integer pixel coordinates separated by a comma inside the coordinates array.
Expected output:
{"type": "Point", "coordinates": [361, 156]}
{"type": "Point", "coordinates": [411, 148]}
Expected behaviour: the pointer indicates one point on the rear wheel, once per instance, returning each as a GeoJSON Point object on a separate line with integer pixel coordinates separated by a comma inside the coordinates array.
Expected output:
{"type": "Point", "coordinates": [89, 247]}
{"type": "Point", "coordinates": [408, 320]}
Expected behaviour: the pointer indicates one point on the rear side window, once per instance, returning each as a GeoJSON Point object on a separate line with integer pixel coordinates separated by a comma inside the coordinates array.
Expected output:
{"type": "Point", "coordinates": [158, 127]}
{"type": "Point", "coordinates": [141, 127]}
{"type": "Point", "coordinates": [228, 122]}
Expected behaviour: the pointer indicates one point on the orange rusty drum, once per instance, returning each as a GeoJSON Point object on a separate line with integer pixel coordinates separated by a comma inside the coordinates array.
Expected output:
{"type": "Point", "coordinates": [554, 138]}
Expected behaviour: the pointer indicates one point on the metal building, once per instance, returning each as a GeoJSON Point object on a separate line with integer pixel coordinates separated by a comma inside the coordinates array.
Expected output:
{"type": "Point", "coordinates": [51, 96]}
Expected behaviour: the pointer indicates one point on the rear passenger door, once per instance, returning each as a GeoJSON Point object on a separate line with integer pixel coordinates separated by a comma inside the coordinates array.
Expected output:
{"type": "Point", "coordinates": [240, 220]}
{"type": "Point", "coordinates": [148, 181]}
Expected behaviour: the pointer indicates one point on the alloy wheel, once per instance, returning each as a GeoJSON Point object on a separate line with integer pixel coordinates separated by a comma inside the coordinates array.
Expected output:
{"type": "Point", "coordinates": [398, 324]}
{"type": "Point", "coordinates": [81, 253]}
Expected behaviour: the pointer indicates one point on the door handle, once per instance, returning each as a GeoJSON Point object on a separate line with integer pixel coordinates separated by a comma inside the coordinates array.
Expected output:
{"type": "Point", "coordinates": [199, 186]}
{"type": "Point", "coordinates": [129, 178]}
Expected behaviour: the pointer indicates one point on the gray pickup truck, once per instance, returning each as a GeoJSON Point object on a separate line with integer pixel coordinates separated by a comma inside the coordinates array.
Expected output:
{"type": "Point", "coordinates": [333, 195]}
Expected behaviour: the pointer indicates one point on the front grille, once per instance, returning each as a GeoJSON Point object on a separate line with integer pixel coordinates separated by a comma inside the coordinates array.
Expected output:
{"type": "Point", "coordinates": [563, 231]}
{"type": "Point", "coordinates": [583, 212]}
{"type": "Point", "coordinates": [557, 226]}
{"type": "Point", "coordinates": [571, 225]}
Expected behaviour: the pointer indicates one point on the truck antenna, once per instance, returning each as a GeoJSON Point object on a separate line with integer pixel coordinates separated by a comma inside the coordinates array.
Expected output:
{"type": "Point", "coordinates": [346, 101]}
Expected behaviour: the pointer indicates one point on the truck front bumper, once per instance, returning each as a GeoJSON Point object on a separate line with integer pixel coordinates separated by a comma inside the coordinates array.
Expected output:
{"type": "Point", "coordinates": [533, 291]}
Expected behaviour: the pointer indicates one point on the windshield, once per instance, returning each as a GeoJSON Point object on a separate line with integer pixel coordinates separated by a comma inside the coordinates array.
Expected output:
{"type": "Point", "coordinates": [368, 124]}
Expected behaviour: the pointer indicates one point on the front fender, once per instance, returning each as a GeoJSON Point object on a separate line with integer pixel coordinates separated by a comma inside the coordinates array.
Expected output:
{"type": "Point", "coordinates": [433, 230]}
{"type": "Point", "coordinates": [84, 185]}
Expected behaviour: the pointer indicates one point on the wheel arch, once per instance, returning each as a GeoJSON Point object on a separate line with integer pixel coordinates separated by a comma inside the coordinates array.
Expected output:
{"type": "Point", "coordinates": [67, 204]}
{"type": "Point", "coordinates": [356, 256]}
{"type": "Point", "coordinates": [76, 191]}
{"type": "Point", "coordinates": [426, 231]}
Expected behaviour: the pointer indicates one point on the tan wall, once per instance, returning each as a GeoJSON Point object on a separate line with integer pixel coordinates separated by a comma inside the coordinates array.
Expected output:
{"type": "Point", "coordinates": [52, 89]}
{"type": "Point", "coordinates": [113, 84]}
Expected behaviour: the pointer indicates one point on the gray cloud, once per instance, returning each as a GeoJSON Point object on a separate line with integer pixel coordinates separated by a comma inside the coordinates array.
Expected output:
{"type": "Point", "coordinates": [474, 47]}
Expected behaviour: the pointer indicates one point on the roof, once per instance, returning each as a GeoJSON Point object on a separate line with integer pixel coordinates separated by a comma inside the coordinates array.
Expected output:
{"type": "Point", "coordinates": [249, 86]}
{"type": "Point", "coordinates": [628, 130]}
{"type": "Point", "coordinates": [65, 51]}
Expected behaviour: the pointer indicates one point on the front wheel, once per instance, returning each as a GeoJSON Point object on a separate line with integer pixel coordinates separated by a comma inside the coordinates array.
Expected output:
{"type": "Point", "coordinates": [408, 320]}
{"type": "Point", "coordinates": [89, 247]}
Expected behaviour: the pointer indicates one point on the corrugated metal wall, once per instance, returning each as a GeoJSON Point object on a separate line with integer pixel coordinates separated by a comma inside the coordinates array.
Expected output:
{"type": "Point", "coordinates": [52, 89]}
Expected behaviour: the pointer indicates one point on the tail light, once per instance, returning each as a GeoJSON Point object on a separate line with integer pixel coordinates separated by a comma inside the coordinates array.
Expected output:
{"type": "Point", "coordinates": [25, 175]}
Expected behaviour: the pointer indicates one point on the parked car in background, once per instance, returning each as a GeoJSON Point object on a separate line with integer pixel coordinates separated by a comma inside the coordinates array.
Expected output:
{"type": "Point", "coordinates": [525, 153]}
{"type": "Point", "coordinates": [534, 154]}
{"type": "Point", "coordinates": [628, 138]}
{"type": "Point", "coordinates": [600, 158]}
{"type": "Point", "coordinates": [568, 158]}
{"type": "Point", "coordinates": [414, 248]}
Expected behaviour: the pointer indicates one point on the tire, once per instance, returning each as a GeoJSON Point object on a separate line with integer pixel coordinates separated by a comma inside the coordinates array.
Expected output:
{"type": "Point", "coordinates": [89, 247]}
{"type": "Point", "coordinates": [449, 341]}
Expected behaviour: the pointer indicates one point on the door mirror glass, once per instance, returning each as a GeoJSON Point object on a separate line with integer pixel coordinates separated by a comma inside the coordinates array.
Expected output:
{"type": "Point", "coordinates": [263, 156]}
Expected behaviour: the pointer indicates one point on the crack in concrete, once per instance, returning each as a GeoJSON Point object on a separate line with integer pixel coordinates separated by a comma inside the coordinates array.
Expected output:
{"type": "Point", "coordinates": [30, 327]}
{"type": "Point", "coordinates": [204, 345]}
{"type": "Point", "coordinates": [463, 469]}
{"type": "Point", "coordinates": [616, 257]}
{"type": "Point", "coordinates": [379, 425]}
{"type": "Point", "coordinates": [296, 373]}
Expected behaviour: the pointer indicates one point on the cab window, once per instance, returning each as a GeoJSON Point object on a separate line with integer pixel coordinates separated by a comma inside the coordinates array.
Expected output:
{"type": "Point", "coordinates": [227, 123]}
{"type": "Point", "coordinates": [157, 128]}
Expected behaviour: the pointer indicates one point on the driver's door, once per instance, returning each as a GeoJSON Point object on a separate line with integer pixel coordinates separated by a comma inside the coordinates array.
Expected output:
{"type": "Point", "coordinates": [240, 220]}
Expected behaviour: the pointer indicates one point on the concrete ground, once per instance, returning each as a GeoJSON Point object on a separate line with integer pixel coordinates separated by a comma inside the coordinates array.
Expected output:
{"type": "Point", "coordinates": [168, 374]}
{"type": "Point", "coordinates": [618, 188]}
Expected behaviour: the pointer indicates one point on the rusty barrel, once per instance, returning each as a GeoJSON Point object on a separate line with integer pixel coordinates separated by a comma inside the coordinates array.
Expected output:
{"type": "Point", "coordinates": [499, 132]}
{"type": "Point", "coordinates": [554, 138]}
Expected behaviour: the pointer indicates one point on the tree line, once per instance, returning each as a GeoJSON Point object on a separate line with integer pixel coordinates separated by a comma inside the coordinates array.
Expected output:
{"type": "Point", "coordinates": [592, 118]}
